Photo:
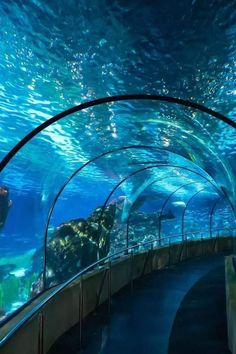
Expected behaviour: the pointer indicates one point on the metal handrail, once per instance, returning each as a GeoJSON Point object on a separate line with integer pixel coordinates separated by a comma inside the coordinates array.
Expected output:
{"type": "Point", "coordinates": [60, 287]}
{"type": "Point", "coordinates": [170, 237]}
{"type": "Point", "coordinates": [198, 231]}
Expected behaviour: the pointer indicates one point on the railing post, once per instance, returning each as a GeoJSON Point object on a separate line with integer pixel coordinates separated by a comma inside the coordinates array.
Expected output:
{"type": "Point", "coordinates": [127, 233]}
{"type": "Point", "coordinates": [215, 245]}
{"type": "Point", "coordinates": [109, 287]}
{"type": "Point", "coordinates": [152, 256]}
{"type": "Point", "coordinates": [40, 333]}
{"type": "Point", "coordinates": [218, 241]}
{"type": "Point", "coordinates": [131, 271]}
{"type": "Point", "coordinates": [201, 244]}
{"type": "Point", "coordinates": [81, 304]}
{"type": "Point", "coordinates": [159, 230]}
{"type": "Point", "coordinates": [169, 250]}
{"type": "Point", "coordinates": [186, 246]}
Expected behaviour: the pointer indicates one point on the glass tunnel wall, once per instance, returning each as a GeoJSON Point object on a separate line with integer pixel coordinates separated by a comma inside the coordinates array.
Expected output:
{"type": "Point", "coordinates": [106, 178]}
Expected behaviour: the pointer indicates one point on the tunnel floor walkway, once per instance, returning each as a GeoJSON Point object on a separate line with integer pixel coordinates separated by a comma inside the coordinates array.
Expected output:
{"type": "Point", "coordinates": [180, 309]}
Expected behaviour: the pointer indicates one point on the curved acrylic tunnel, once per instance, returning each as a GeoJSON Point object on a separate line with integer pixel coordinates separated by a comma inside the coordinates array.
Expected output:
{"type": "Point", "coordinates": [114, 199]}
{"type": "Point", "coordinates": [86, 170]}
{"type": "Point", "coordinates": [186, 208]}
{"type": "Point", "coordinates": [134, 199]}
{"type": "Point", "coordinates": [158, 211]}
{"type": "Point", "coordinates": [96, 243]}
{"type": "Point", "coordinates": [178, 203]}
{"type": "Point", "coordinates": [222, 218]}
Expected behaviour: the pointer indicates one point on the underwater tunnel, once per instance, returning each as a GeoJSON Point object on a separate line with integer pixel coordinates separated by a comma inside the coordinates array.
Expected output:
{"type": "Point", "coordinates": [117, 177]}
{"type": "Point", "coordinates": [141, 173]}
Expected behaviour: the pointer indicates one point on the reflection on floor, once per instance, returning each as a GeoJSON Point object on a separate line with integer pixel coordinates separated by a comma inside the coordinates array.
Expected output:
{"type": "Point", "coordinates": [180, 309]}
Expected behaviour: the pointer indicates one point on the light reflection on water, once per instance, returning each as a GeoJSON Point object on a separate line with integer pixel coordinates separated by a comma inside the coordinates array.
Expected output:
{"type": "Point", "coordinates": [99, 48]}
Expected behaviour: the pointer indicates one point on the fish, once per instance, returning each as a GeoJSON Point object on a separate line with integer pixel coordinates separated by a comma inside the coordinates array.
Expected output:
{"type": "Point", "coordinates": [167, 216]}
{"type": "Point", "coordinates": [142, 200]}
{"type": "Point", "coordinates": [118, 200]}
{"type": "Point", "coordinates": [179, 203]}
{"type": "Point", "coordinates": [19, 273]}
{"type": "Point", "coordinates": [5, 204]}
{"type": "Point", "coordinates": [139, 217]}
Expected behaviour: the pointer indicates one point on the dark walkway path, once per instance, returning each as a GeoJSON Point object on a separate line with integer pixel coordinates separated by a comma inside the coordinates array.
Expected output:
{"type": "Point", "coordinates": [181, 308]}
{"type": "Point", "coordinates": [199, 325]}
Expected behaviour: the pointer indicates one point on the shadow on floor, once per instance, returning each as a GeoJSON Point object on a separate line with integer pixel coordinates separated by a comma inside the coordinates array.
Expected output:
{"type": "Point", "coordinates": [200, 324]}
{"type": "Point", "coordinates": [145, 321]}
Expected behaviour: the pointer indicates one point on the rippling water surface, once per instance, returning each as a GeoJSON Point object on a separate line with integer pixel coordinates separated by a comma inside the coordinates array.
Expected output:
{"type": "Point", "coordinates": [56, 55]}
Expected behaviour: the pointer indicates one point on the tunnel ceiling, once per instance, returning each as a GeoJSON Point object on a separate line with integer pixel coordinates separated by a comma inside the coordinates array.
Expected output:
{"type": "Point", "coordinates": [55, 56]}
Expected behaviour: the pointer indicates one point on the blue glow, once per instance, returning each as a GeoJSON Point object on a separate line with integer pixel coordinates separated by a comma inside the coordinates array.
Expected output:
{"type": "Point", "coordinates": [95, 49]}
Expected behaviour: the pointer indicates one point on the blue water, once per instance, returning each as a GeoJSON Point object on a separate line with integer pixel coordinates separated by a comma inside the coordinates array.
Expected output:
{"type": "Point", "coordinates": [57, 55]}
